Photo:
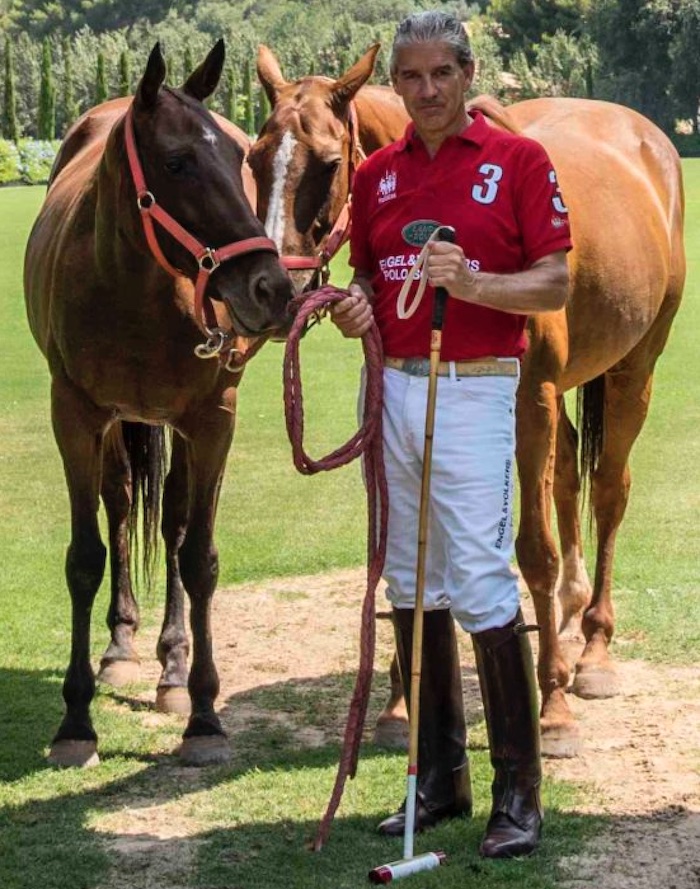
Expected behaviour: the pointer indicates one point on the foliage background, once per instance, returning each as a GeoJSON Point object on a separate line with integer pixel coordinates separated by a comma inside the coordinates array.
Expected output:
{"type": "Point", "coordinates": [642, 53]}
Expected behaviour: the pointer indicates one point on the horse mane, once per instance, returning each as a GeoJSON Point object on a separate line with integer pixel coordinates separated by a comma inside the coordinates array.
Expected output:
{"type": "Point", "coordinates": [494, 111]}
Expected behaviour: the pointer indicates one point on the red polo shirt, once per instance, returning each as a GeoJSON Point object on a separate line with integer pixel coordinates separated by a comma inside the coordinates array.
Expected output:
{"type": "Point", "coordinates": [498, 190]}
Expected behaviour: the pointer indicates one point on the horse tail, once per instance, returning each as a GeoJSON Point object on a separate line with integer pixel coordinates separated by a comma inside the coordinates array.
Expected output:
{"type": "Point", "coordinates": [590, 415]}
{"type": "Point", "coordinates": [147, 453]}
{"type": "Point", "coordinates": [494, 111]}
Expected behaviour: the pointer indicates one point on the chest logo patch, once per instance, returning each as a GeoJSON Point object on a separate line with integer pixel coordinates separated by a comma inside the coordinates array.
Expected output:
{"type": "Point", "coordinates": [387, 187]}
{"type": "Point", "coordinates": [416, 233]}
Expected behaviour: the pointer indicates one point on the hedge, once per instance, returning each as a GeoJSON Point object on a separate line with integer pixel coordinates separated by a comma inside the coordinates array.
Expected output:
{"type": "Point", "coordinates": [27, 162]}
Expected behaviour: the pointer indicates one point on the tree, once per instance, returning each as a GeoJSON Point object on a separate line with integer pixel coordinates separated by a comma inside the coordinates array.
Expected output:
{"type": "Point", "coordinates": [187, 63]}
{"type": "Point", "coordinates": [124, 73]}
{"type": "Point", "coordinates": [563, 66]}
{"type": "Point", "coordinates": [524, 22]}
{"type": "Point", "coordinates": [100, 80]}
{"type": "Point", "coordinates": [231, 108]}
{"type": "Point", "coordinates": [10, 126]}
{"type": "Point", "coordinates": [249, 119]}
{"type": "Point", "coordinates": [69, 107]}
{"type": "Point", "coordinates": [46, 124]}
{"type": "Point", "coordinates": [685, 64]}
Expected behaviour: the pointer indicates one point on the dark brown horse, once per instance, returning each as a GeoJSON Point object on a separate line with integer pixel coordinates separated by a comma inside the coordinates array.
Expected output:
{"type": "Point", "coordinates": [622, 182]}
{"type": "Point", "coordinates": [145, 223]}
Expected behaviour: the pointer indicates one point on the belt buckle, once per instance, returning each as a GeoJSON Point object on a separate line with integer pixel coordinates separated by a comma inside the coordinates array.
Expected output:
{"type": "Point", "coordinates": [416, 367]}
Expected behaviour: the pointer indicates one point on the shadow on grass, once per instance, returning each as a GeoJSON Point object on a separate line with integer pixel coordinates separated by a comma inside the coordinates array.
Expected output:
{"type": "Point", "coordinates": [32, 708]}
{"type": "Point", "coordinates": [269, 799]}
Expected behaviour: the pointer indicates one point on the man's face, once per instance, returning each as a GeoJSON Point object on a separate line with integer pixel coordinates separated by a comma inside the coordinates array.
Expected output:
{"type": "Point", "coordinates": [432, 84]}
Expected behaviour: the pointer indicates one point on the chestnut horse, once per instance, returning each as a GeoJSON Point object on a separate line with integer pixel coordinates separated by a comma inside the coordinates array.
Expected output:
{"type": "Point", "coordinates": [146, 222]}
{"type": "Point", "coordinates": [622, 183]}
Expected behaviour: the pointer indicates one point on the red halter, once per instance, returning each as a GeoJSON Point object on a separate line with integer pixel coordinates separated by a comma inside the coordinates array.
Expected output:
{"type": "Point", "coordinates": [341, 228]}
{"type": "Point", "coordinates": [208, 258]}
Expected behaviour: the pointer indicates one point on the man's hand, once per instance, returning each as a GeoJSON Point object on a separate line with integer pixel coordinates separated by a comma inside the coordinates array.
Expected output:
{"type": "Point", "coordinates": [353, 315]}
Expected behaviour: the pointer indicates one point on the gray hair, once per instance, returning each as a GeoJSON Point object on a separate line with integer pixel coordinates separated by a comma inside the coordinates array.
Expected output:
{"type": "Point", "coordinates": [428, 26]}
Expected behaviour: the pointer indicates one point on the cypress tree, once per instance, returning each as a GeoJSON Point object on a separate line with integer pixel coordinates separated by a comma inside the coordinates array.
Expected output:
{"type": "Point", "coordinates": [46, 124]}
{"type": "Point", "coordinates": [124, 74]}
{"type": "Point", "coordinates": [231, 96]}
{"type": "Point", "coordinates": [70, 110]}
{"type": "Point", "coordinates": [264, 109]}
{"type": "Point", "coordinates": [10, 126]}
{"type": "Point", "coordinates": [187, 64]}
{"type": "Point", "coordinates": [249, 120]}
{"type": "Point", "coordinates": [101, 80]}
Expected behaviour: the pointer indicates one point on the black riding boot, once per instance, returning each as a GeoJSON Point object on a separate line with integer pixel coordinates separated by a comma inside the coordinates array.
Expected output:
{"type": "Point", "coordinates": [509, 692]}
{"type": "Point", "coordinates": [443, 771]}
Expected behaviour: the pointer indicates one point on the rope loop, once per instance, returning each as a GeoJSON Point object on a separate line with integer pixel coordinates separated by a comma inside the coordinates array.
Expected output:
{"type": "Point", "coordinates": [367, 443]}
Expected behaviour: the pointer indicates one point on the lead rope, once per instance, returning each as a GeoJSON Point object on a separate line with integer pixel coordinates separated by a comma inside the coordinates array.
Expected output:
{"type": "Point", "coordinates": [367, 442]}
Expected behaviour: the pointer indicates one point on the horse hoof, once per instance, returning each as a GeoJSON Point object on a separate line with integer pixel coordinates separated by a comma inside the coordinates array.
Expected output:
{"type": "Point", "coordinates": [596, 682]}
{"type": "Point", "coordinates": [560, 741]}
{"type": "Point", "coordinates": [74, 754]}
{"type": "Point", "coordinates": [173, 699]}
{"type": "Point", "coordinates": [205, 750]}
{"type": "Point", "coordinates": [119, 673]}
{"type": "Point", "coordinates": [563, 742]}
{"type": "Point", "coordinates": [392, 734]}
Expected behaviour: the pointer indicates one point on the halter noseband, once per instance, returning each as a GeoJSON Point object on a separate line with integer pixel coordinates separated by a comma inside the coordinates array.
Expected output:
{"type": "Point", "coordinates": [208, 258]}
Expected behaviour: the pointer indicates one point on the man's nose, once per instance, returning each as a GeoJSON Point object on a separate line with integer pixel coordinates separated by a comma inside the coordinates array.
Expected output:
{"type": "Point", "coordinates": [428, 86]}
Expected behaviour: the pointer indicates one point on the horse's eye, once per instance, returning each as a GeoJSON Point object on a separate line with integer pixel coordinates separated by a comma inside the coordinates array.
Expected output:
{"type": "Point", "coordinates": [175, 165]}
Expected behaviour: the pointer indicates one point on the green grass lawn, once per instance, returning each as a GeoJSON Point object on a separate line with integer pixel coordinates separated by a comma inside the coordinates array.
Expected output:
{"type": "Point", "coordinates": [256, 814]}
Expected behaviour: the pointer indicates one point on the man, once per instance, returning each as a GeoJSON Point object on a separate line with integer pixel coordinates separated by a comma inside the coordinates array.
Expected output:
{"type": "Point", "coordinates": [499, 191]}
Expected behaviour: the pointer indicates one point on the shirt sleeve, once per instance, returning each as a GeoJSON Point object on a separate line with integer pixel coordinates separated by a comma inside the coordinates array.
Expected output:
{"type": "Point", "coordinates": [541, 209]}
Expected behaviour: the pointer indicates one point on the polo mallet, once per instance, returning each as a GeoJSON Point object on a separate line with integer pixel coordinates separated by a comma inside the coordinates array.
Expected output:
{"type": "Point", "coordinates": [410, 863]}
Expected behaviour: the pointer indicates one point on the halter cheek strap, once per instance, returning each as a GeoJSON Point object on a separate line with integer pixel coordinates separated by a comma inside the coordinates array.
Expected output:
{"type": "Point", "coordinates": [208, 258]}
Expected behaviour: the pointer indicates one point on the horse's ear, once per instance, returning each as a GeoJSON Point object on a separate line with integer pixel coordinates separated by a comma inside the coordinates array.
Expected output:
{"type": "Point", "coordinates": [152, 80]}
{"type": "Point", "coordinates": [345, 87]}
{"type": "Point", "coordinates": [203, 80]}
{"type": "Point", "coordinates": [269, 73]}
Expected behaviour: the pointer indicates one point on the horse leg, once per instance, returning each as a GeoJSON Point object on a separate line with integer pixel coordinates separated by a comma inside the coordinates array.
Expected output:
{"type": "Point", "coordinates": [208, 441]}
{"type": "Point", "coordinates": [120, 662]}
{"type": "Point", "coordinates": [391, 729]}
{"type": "Point", "coordinates": [538, 558]}
{"type": "Point", "coordinates": [627, 393]}
{"type": "Point", "coordinates": [173, 646]}
{"type": "Point", "coordinates": [574, 587]}
{"type": "Point", "coordinates": [78, 428]}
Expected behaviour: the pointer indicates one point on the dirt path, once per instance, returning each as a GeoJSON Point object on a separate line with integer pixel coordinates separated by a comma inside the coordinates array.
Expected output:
{"type": "Point", "coordinates": [641, 751]}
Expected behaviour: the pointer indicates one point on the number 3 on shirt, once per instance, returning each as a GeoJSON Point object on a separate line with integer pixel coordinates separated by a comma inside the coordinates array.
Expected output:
{"type": "Point", "coordinates": [486, 192]}
{"type": "Point", "coordinates": [557, 201]}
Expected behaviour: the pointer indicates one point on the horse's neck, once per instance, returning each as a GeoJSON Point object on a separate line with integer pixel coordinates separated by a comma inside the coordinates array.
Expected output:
{"type": "Point", "coordinates": [381, 117]}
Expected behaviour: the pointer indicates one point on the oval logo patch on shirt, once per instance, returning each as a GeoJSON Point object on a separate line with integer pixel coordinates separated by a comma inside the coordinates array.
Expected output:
{"type": "Point", "coordinates": [416, 233]}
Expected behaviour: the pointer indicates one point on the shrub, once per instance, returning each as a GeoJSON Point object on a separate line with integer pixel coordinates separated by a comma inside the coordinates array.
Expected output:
{"type": "Point", "coordinates": [27, 161]}
{"type": "Point", "coordinates": [687, 145]}
{"type": "Point", "coordinates": [36, 160]}
{"type": "Point", "coordinates": [9, 162]}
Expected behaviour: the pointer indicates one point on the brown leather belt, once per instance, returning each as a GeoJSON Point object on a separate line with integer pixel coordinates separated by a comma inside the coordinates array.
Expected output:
{"type": "Point", "coordinates": [480, 367]}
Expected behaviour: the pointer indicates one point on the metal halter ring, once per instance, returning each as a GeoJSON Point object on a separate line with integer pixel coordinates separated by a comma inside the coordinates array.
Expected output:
{"type": "Point", "coordinates": [213, 346]}
{"type": "Point", "coordinates": [228, 367]}
{"type": "Point", "coordinates": [208, 261]}
{"type": "Point", "coordinates": [146, 200]}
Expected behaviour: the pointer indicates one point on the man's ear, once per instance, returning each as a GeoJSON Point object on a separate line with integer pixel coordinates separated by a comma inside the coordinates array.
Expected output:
{"type": "Point", "coordinates": [469, 69]}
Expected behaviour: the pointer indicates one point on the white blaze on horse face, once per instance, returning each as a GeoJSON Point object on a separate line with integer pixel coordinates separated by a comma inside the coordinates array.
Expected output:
{"type": "Point", "coordinates": [275, 220]}
{"type": "Point", "coordinates": [210, 136]}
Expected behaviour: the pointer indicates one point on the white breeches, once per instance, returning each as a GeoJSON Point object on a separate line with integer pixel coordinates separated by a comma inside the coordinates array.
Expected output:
{"type": "Point", "coordinates": [470, 535]}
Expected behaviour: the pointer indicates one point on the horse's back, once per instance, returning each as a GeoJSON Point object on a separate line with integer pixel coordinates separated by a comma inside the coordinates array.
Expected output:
{"type": "Point", "coordinates": [621, 179]}
{"type": "Point", "coordinates": [613, 134]}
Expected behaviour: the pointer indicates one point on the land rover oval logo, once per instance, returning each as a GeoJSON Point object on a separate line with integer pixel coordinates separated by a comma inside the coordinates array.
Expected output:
{"type": "Point", "coordinates": [416, 233]}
